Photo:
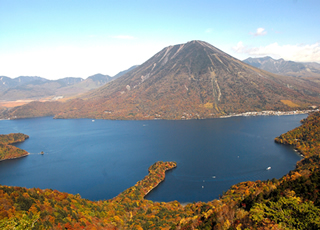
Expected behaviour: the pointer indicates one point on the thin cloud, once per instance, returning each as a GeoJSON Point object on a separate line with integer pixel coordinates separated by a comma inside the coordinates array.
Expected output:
{"type": "Point", "coordinates": [124, 37]}
{"type": "Point", "coordinates": [240, 48]}
{"type": "Point", "coordinates": [260, 32]}
{"type": "Point", "coordinates": [299, 53]}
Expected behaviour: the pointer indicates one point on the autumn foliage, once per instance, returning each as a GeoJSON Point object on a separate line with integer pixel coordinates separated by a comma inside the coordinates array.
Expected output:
{"type": "Point", "coordinates": [8, 151]}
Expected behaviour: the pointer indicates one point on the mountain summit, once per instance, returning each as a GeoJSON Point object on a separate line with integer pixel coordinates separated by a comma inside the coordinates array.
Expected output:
{"type": "Point", "coordinates": [188, 81]}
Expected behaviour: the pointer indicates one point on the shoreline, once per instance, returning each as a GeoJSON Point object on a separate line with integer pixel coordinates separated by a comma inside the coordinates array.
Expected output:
{"type": "Point", "coordinates": [155, 186]}
{"type": "Point", "coordinates": [156, 175]}
{"type": "Point", "coordinates": [15, 157]}
{"type": "Point", "coordinates": [270, 113]}
{"type": "Point", "coordinates": [244, 114]}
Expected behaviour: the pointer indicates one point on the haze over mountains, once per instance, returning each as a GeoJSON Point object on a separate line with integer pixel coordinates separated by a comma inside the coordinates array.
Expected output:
{"type": "Point", "coordinates": [35, 88]}
{"type": "Point", "coordinates": [185, 81]}
{"type": "Point", "coordinates": [288, 68]}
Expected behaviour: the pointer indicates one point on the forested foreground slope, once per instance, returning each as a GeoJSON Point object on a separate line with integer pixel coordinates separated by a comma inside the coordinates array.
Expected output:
{"type": "Point", "coordinates": [293, 202]}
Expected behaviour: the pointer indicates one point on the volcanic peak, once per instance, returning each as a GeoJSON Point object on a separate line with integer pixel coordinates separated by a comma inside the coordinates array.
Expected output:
{"type": "Point", "coordinates": [188, 81]}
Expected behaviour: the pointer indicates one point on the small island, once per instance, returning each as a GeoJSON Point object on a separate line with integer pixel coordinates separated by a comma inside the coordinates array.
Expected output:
{"type": "Point", "coordinates": [7, 151]}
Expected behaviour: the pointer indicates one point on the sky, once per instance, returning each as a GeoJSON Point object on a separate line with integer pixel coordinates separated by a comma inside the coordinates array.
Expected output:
{"type": "Point", "coordinates": [54, 39]}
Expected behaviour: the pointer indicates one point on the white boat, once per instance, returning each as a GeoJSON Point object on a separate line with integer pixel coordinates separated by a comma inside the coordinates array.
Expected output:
{"type": "Point", "coordinates": [268, 168]}
{"type": "Point", "coordinates": [92, 120]}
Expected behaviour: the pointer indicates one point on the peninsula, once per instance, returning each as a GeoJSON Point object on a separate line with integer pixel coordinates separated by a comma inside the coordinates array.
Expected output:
{"type": "Point", "coordinates": [7, 151]}
{"type": "Point", "coordinates": [152, 180]}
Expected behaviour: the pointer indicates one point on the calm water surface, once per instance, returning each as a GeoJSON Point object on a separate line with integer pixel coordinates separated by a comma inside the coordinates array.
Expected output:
{"type": "Point", "coordinates": [100, 159]}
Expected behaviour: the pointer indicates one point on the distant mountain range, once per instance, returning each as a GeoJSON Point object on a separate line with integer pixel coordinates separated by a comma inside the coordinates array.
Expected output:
{"type": "Point", "coordinates": [35, 88]}
{"type": "Point", "coordinates": [288, 68]}
{"type": "Point", "coordinates": [194, 80]}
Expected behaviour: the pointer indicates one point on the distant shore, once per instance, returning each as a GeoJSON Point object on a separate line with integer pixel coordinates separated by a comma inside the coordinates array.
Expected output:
{"type": "Point", "coordinates": [244, 114]}
{"type": "Point", "coordinates": [270, 113]}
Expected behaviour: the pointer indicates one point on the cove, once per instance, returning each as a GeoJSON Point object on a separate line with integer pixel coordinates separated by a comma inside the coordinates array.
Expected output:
{"type": "Point", "coordinates": [100, 159]}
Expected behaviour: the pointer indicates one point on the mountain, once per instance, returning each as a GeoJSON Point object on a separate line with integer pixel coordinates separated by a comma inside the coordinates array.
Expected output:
{"type": "Point", "coordinates": [6, 82]}
{"type": "Point", "coordinates": [23, 87]}
{"type": "Point", "coordinates": [26, 79]}
{"type": "Point", "coordinates": [101, 78]}
{"type": "Point", "coordinates": [35, 88]}
{"type": "Point", "coordinates": [288, 68]}
{"type": "Point", "coordinates": [186, 81]}
{"type": "Point", "coordinates": [69, 81]}
{"type": "Point", "coordinates": [92, 82]}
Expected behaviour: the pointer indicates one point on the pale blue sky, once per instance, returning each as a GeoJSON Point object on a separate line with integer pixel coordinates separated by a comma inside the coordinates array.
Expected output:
{"type": "Point", "coordinates": [77, 38]}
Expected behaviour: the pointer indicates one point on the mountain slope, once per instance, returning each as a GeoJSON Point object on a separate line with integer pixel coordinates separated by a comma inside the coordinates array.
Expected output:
{"type": "Point", "coordinates": [189, 81]}
{"type": "Point", "coordinates": [196, 80]}
{"type": "Point", "coordinates": [288, 68]}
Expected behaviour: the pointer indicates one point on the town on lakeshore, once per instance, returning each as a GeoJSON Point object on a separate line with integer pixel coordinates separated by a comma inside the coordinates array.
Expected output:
{"type": "Point", "coordinates": [271, 113]}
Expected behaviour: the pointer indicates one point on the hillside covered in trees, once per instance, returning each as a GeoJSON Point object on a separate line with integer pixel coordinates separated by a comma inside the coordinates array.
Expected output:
{"type": "Point", "coordinates": [7, 151]}
{"type": "Point", "coordinates": [292, 202]}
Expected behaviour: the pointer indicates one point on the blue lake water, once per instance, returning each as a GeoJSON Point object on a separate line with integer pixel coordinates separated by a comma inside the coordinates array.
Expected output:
{"type": "Point", "coordinates": [101, 159]}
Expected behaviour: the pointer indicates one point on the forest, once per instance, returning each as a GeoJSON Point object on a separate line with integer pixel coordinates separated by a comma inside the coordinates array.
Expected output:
{"type": "Point", "coordinates": [7, 151]}
{"type": "Point", "coordinates": [292, 202]}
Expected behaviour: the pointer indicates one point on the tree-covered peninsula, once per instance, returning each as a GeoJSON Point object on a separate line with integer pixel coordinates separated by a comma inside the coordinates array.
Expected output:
{"type": "Point", "coordinates": [292, 202]}
{"type": "Point", "coordinates": [7, 151]}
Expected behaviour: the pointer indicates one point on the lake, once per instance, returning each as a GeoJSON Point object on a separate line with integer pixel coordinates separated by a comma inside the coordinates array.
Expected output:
{"type": "Point", "coordinates": [100, 159]}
